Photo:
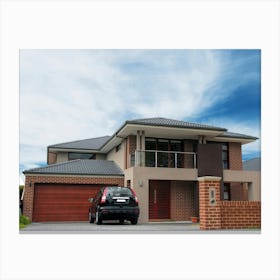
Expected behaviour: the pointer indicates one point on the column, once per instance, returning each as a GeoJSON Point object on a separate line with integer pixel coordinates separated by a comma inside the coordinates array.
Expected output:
{"type": "Point", "coordinates": [209, 202]}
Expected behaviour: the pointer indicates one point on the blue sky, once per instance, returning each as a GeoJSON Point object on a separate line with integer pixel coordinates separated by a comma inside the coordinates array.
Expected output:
{"type": "Point", "coordinates": [68, 95]}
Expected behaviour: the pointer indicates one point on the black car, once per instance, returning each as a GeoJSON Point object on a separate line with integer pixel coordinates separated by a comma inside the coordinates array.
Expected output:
{"type": "Point", "coordinates": [114, 203]}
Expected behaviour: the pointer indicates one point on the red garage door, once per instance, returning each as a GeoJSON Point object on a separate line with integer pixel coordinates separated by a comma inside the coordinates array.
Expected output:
{"type": "Point", "coordinates": [57, 202]}
{"type": "Point", "coordinates": [159, 199]}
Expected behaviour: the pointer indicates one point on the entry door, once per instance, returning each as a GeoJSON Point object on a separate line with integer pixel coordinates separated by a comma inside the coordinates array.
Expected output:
{"type": "Point", "coordinates": [159, 199]}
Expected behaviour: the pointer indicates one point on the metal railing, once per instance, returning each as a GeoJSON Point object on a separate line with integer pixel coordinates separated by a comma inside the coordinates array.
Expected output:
{"type": "Point", "coordinates": [170, 159]}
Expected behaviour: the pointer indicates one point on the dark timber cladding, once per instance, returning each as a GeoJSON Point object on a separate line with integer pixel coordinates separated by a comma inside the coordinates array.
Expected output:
{"type": "Point", "coordinates": [62, 202]}
{"type": "Point", "coordinates": [209, 160]}
{"type": "Point", "coordinates": [159, 199]}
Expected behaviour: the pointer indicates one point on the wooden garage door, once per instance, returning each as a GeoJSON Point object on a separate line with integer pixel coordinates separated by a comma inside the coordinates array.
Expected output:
{"type": "Point", "coordinates": [57, 202]}
{"type": "Point", "coordinates": [159, 199]}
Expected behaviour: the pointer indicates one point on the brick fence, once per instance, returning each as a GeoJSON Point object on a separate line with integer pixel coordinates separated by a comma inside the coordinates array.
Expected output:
{"type": "Point", "coordinates": [217, 214]}
{"type": "Point", "coordinates": [240, 214]}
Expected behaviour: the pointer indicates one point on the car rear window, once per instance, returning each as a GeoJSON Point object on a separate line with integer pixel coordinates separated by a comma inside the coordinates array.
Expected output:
{"type": "Point", "coordinates": [119, 191]}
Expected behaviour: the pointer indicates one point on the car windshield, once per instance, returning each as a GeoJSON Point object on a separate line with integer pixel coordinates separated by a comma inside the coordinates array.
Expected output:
{"type": "Point", "coordinates": [119, 191]}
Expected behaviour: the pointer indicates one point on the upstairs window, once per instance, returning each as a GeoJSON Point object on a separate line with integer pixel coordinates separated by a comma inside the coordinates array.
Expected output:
{"type": "Point", "coordinates": [72, 156]}
{"type": "Point", "coordinates": [225, 155]}
{"type": "Point", "coordinates": [165, 155]}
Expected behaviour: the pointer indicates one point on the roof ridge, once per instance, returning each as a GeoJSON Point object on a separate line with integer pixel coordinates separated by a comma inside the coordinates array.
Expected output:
{"type": "Point", "coordinates": [178, 121]}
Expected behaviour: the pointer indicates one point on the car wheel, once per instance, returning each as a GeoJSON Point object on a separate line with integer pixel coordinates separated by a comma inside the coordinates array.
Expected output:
{"type": "Point", "coordinates": [121, 221]}
{"type": "Point", "coordinates": [90, 218]}
{"type": "Point", "coordinates": [134, 221]}
{"type": "Point", "coordinates": [97, 218]}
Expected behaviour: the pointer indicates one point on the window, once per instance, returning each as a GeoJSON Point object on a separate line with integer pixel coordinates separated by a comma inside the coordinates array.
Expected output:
{"type": "Point", "coordinates": [176, 160]}
{"type": "Point", "coordinates": [225, 155]}
{"type": "Point", "coordinates": [150, 157]}
{"type": "Point", "coordinates": [164, 158]}
{"type": "Point", "coordinates": [162, 145]}
{"type": "Point", "coordinates": [72, 156]}
{"type": "Point", "coordinates": [226, 191]}
{"type": "Point", "coordinates": [118, 191]}
{"type": "Point", "coordinates": [132, 159]}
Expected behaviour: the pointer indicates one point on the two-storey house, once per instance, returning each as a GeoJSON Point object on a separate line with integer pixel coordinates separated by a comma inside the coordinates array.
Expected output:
{"type": "Point", "coordinates": [160, 158]}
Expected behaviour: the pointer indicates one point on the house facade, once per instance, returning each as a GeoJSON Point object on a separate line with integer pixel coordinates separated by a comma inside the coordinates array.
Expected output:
{"type": "Point", "coordinates": [162, 159]}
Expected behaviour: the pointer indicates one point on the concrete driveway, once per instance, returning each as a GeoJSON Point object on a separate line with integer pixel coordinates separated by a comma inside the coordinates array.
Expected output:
{"type": "Point", "coordinates": [110, 227]}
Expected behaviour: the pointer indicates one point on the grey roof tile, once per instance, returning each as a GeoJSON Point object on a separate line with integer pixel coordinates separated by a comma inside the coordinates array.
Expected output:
{"type": "Point", "coordinates": [80, 167]}
{"type": "Point", "coordinates": [237, 135]}
{"type": "Point", "coordinates": [85, 144]}
{"type": "Point", "coordinates": [173, 123]}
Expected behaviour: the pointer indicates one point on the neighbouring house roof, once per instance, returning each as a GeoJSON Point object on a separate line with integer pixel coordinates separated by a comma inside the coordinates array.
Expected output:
{"type": "Point", "coordinates": [228, 134]}
{"type": "Point", "coordinates": [80, 167]}
{"type": "Point", "coordinates": [173, 123]}
{"type": "Point", "coordinates": [252, 164]}
{"type": "Point", "coordinates": [85, 144]}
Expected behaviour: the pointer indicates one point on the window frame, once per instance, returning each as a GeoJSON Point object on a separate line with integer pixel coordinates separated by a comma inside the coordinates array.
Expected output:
{"type": "Point", "coordinates": [93, 155]}
{"type": "Point", "coordinates": [226, 189]}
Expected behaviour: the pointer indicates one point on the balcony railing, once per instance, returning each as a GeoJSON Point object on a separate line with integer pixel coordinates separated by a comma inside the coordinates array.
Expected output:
{"type": "Point", "coordinates": [155, 158]}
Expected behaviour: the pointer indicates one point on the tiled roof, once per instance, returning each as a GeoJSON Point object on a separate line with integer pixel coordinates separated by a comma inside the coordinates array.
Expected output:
{"type": "Point", "coordinates": [86, 144]}
{"type": "Point", "coordinates": [228, 134]}
{"type": "Point", "coordinates": [80, 167]}
{"type": "Point", "coordinates": [99, 142]}
{"type": "Point", "coordinates": [173, 123]}
{"type": "Point", "coordinates": [252, 164]}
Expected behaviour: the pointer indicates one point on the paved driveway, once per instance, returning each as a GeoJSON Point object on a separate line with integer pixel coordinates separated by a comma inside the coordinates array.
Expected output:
{"type": "Point", "coordinates": [116, 228]}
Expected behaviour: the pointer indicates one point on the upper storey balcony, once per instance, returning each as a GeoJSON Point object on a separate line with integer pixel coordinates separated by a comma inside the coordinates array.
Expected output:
{"type": "Point", "coordinates": [168, 159]}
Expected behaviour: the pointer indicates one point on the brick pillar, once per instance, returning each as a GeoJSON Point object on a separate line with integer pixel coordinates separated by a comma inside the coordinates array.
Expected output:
{"type": "Point", "coordinates": [28, 197]}
{"type": "Point", "coordinates": [209, 202]}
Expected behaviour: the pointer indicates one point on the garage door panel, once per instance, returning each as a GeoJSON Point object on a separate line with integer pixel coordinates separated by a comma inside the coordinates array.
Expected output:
{"type": "Point", "coordinates": [57, 202]}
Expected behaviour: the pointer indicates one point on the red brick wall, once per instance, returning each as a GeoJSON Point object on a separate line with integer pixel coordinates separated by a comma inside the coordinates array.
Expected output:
{"type": "Point", "coordinates": [235, 156]}
{"type": "Point", "coordinates": [238, 192]}
{"type": "Point", "coordinates": [131, 147]}
{"type": "Point", "coordinates": [131, 143]}
{"type": "Point", "coordinates": [29, 190]}
{"type": "Point", "coordinates": [52, 157]}
{"type": "Point", "coordinates": [184, 200]}
{"type": "Point", "coordinates": [240, 214]}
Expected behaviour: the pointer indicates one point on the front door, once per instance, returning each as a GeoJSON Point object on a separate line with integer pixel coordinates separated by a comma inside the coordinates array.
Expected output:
{"type": "Point", "coordinates": [159, 199]}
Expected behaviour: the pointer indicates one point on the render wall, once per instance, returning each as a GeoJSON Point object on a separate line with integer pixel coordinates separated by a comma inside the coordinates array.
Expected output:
{"type": "Point", "coordinates": [62, 157]}
{"type": "Point", "coordinates": [118, 156]}
{"type": "Point", "coordinates": [252, 178]}
{"type": "Point", "coordinates": [140, 177]}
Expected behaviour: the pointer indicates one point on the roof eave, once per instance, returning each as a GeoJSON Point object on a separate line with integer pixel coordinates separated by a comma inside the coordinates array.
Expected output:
{"type": "Point", "coordinates": [59, 149]}
{"type": "Point", "coordinates": [241, 140]}
{"type": "Point", "coordinates": [71, 174]}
